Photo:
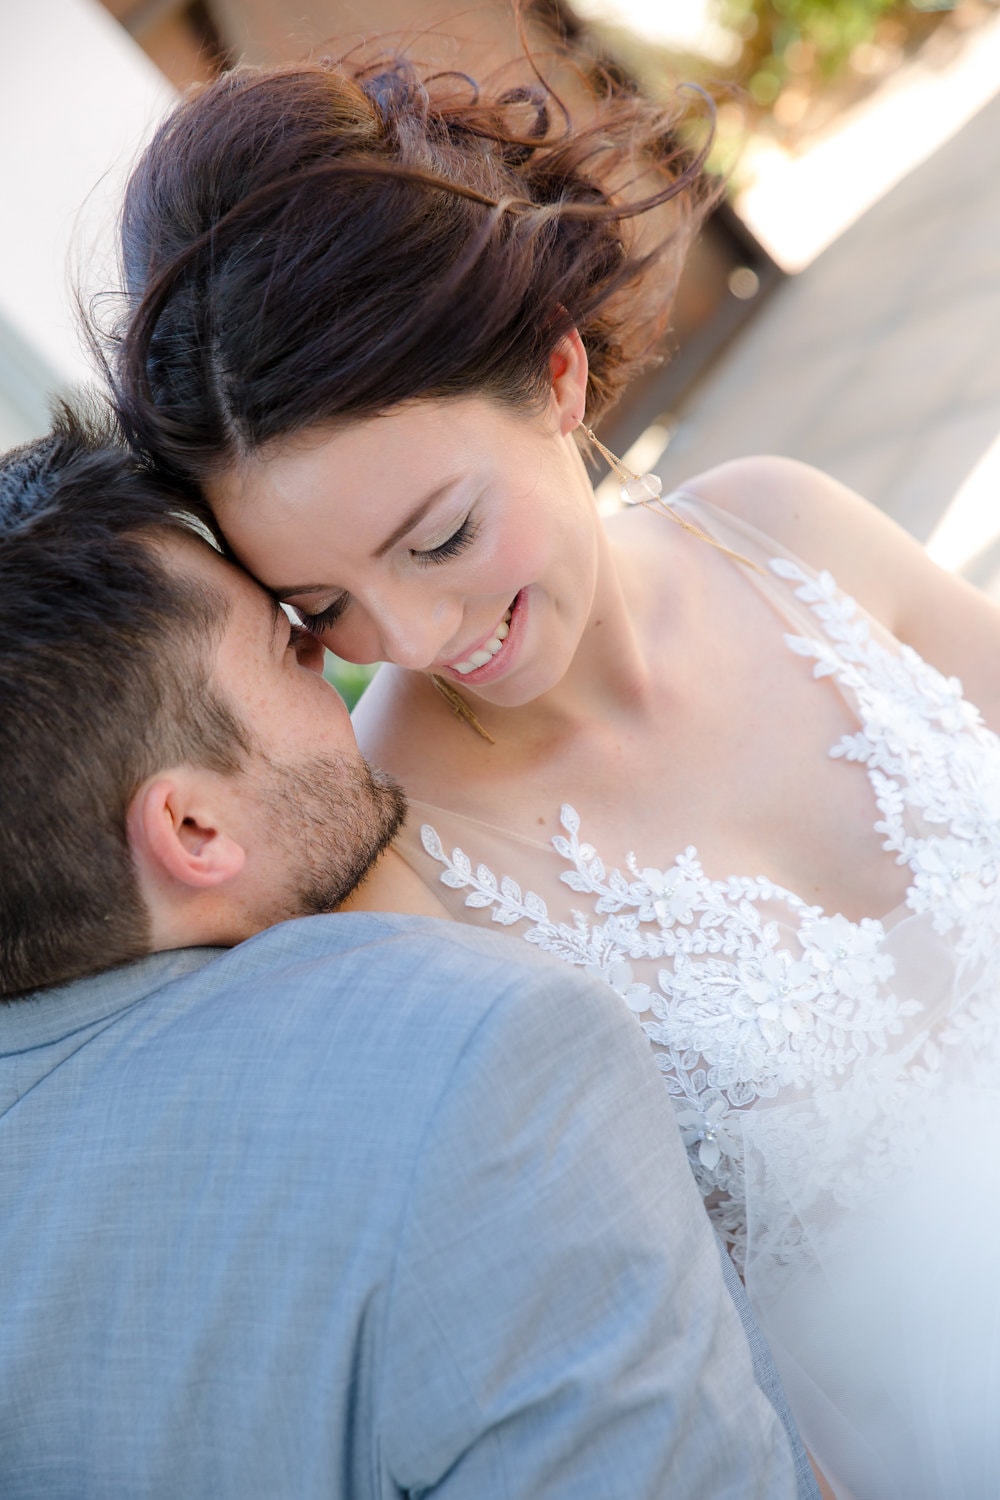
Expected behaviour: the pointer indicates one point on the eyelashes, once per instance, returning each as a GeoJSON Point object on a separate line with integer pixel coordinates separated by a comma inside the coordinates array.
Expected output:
{"type": "Point", "coordinates": [326, 617]}
{"type": "Point", "coordinates": [463, 537]}
{"type": "Point", "coordinates": [457, 542]}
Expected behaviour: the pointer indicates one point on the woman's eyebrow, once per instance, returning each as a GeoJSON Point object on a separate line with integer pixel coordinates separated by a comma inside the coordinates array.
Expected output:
{"type": "Point", "coordinates": [280, 595]}
{"type": "Point", "coordinates": [414, 518]}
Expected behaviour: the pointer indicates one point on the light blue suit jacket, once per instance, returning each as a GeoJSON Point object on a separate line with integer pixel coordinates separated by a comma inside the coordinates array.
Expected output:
{"type": "Point", "coordinates": [365, 1207]}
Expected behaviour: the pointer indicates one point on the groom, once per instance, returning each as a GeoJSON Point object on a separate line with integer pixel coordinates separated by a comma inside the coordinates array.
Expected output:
{"type": "Point", "coordinates": [350, 1206]}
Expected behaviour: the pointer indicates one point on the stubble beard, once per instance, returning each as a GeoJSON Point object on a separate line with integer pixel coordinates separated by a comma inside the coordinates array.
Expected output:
{"type": "Point", "coordinates": [332, 816]}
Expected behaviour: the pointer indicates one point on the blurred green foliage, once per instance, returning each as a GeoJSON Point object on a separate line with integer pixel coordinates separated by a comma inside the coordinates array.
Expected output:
{"type": "Point", "coordinates": [786, 69]}
{"type": "Point", "coordinates": [348, 678]}
{"type": "Point", "coordinates": [810, 42]}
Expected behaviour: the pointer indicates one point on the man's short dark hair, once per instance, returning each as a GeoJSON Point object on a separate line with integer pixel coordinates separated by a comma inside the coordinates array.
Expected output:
{"type": "Point", "coordinates": [105, 662]}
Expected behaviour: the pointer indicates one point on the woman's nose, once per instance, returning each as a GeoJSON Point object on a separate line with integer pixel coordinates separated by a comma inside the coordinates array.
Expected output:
{"type": "Point", "coordinates": [417, 638]}
{"type": "Point", "coordinates": [408, 632]}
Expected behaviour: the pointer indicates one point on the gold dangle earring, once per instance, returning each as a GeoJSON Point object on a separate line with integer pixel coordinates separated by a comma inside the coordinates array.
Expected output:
{"type": "Point", "coordinates": [647, 490]}
{"type": "Point", "coordinates": [459, 707]}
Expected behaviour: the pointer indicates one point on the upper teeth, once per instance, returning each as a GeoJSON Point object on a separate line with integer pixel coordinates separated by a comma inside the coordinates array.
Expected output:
{"type": "Point", "coordinates": [487, 651]}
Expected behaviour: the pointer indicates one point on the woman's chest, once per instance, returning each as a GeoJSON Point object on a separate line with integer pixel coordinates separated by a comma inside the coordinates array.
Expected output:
{"type": "Point", "coordinates": [738, 765]}
{"type": "Point", "coordinates": [801, 748]}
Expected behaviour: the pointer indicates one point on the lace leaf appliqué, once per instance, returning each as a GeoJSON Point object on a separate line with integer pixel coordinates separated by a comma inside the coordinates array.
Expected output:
{"type": "Point", "coordinates": [748, 994]}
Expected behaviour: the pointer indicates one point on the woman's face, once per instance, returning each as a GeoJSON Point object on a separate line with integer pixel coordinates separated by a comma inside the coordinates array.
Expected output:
{"type": "Point", "coordinates": [456, 537]}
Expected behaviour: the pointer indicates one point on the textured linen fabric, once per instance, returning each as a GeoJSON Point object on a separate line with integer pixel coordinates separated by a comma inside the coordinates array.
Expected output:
{"type": "Point", "coordinates": [766, 1374]}
{"type": "Point", "coordinates": [365, 1207]}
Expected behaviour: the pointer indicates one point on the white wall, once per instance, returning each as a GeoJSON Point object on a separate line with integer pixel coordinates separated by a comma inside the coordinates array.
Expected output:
{"type": "Point", "coordinates": [77, 98]}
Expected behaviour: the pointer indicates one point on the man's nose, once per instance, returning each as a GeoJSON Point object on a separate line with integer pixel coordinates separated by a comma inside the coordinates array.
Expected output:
{"type": "Point", "coordinates": [309, 649]}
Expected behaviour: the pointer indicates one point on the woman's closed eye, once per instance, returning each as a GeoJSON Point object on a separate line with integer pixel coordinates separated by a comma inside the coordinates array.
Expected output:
{"type": "Point", "coordinates": [461, 538]}
{"type": "Point", "coordinates": [457, 542]}
{"type": "Point", "coordinates": [324, 619]}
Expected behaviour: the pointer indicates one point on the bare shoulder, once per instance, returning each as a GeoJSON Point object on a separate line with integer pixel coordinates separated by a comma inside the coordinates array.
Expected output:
{"type": "Point", "coordinates": [821, 521]}
{"type": "Point", "coordinates": [829, 526]}
{"type": "Point", "coordinates": [762, 487]}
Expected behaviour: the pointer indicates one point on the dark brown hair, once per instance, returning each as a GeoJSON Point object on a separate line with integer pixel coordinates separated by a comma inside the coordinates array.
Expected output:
{"type": "Point", "coordinates": [321, 243]}
{"type": "Point", "coordinates": [105, 655]}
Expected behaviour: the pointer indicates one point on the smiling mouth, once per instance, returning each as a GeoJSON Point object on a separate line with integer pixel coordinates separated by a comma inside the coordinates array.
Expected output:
{"type": "Point", "coordinates": [487, 650]}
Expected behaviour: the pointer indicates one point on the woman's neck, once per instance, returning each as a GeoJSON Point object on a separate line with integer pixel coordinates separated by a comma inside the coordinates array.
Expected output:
{"type": "Point", "coordinates": [616, 674]}
{"type": "Point", "coordinates": [391, 885]}
{"type": "Point", "coordinates": [628, 675]}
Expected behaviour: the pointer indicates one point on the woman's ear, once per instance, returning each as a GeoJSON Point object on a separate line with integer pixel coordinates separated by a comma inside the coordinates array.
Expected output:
{"type": "Point", "coordinates": [175, 835]}
{"type": "Point", "coordinates": [568, 370]}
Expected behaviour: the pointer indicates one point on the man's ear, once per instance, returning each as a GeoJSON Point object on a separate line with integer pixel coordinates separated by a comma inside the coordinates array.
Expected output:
{"type": "Point", "coordinates": [568, 369]}
{"type": "Point", "coordinates": [175, 834]}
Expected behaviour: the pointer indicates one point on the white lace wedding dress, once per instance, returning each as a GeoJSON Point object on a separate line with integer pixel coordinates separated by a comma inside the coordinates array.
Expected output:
{"type": "Point", "coordinates": [837, 1083]}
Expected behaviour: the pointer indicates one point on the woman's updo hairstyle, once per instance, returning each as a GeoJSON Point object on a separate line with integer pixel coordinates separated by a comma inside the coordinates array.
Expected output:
{"type": "Point", "coordinates": [320, 243]}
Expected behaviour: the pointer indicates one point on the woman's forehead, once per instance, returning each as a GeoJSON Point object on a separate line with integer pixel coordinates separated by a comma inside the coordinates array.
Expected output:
{"type": "Point", "coordinates": [402, 453]}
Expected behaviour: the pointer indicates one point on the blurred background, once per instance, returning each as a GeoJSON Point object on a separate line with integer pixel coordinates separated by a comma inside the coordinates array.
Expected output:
{"type": "Point", "coordinates": [841, 306]}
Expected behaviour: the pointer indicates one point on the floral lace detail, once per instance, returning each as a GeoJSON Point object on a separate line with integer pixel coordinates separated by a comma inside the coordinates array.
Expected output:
{"type": "Point", "coordinates": [749, 995]}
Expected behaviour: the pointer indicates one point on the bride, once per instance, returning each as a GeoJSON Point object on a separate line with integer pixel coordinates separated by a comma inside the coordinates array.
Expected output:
{"type": "Point", "coordinates": [720, 750]}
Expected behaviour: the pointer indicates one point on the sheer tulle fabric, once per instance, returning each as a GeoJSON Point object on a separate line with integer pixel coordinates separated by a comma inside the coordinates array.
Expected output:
{"type": "Point", "coordinates": [837, 1084]}
{"type": "Point", "coordinates": [886, 1323]}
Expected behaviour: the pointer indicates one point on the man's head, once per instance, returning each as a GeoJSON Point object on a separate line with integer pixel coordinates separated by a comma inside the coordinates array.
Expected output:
{"type": "Point", "coordinates": [175, 770]}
